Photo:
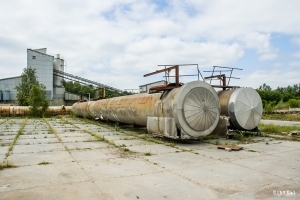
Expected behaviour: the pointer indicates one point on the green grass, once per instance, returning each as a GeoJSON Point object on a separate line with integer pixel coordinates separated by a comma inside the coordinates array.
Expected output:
{"type": "Point", "coordinates": [52, 129]}
{"type": "Point", "coordinates": [210, 137]}
{"type": "Point", "coordinates": [148, 154]}
{"type": "Point", "coordinates": [6, 164]}
{"type": "Point", "coordinates": [218, 142]}
{"type": "Point", "coordinates": [44, 163]}
{"type": "Point", "coordinates": [4, 121]}
{"type": "Point", "coordinates": [11, 146]}
{"type": "Point", "coordinates": [271, 128]}
{"type": "Point", "coordinates": [283, 117]}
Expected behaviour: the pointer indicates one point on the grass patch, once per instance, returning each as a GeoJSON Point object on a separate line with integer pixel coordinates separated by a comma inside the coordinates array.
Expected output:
{"type": "Point", "coordinates": [4, 121]}
{"type": "Point", "coordinates": [284, 117]}
{"type": "Point", "coordinates": [6, 164]}
{"type": "Point", "coordinates": [125, 149]}
{"type": "Point", "coordinates": [117, 128]}
{"type": "Point", "coordinates": [218, 142]}
{"type": "Point", "coordinates": [44, 163]}
{"type": "Point", "coordinates": [11, 146]}
{"type": "Point", "coordinates": [210, 137]}
{"type": "Point", "coordinates": [271, 128]}
{"type": "Point", "coordinates": [52, 130]}
{"type": "Point", "coordinates": [148, 154]}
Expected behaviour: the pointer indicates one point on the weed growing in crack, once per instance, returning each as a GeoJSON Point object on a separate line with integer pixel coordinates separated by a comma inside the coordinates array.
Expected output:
{"type": "Point", "coordinates": [218, 142]}
{"type": "Point", "coordinates": [7, 164]}
{"type": "Point", "coordinates": [148, 154]}
{"type": "Point", "coordinates": [11, 146]}
{"type": "Point", "coordinates": [125, 149]}
{"type": "Point", "coordinates": [44, 163]}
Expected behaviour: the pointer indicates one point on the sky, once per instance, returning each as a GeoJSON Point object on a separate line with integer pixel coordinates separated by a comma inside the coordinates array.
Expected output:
{"type": "Point", "coordinates": [116, 42]}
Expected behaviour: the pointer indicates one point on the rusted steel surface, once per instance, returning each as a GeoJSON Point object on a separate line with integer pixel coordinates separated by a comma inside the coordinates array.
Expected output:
{"type": "Point", "coordinates": [4, 110]}
{"type": "Point", "coordinates": [191, 111]}
{"type": "Point", "coordinates": [58, 110]}
{"type": "Point", "coordinates": [24, 110]}
{"type": "Point", "coordinates": [81, 109]}
{"type": "Point", "coordinates": [132, 109]}
{"type": "Point", "coordinates": [224, 96]}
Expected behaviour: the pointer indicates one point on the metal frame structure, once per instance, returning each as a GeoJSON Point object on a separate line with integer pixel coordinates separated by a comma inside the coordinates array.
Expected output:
{"type": "Point", "coordinates": [167, 71]}
{"type": "Point", "coordinates": [83, 80]}
{"type": "Point", "coordinates": [222, 77]}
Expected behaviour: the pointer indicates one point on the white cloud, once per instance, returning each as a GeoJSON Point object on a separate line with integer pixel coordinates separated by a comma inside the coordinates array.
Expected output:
{"type": "Point", "coordinates": [296, 40]}
{"type": "Point", "coordinates": [273, 78]}
{"type": "Point", "coordinates": [296, 54]}
{"type": "Point", "coordinates": [295, 64]}
{"type": "Point", "coordinates": [268, 56]}
{"type": "Point", "coordinates": [101, 40]}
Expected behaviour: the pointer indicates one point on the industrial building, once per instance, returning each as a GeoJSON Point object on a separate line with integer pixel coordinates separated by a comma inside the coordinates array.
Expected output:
{"type": "Point", "coordinates": [45, 66]}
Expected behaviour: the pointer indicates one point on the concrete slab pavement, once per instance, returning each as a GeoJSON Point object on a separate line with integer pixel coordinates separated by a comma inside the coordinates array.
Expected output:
{"type": "Point", "coordinates": [72, 168]}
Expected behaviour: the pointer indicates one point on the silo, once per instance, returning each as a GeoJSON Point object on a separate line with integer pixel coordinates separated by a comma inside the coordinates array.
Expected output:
{"type": "Point", "coordinates": [6, 95]}
{"type": "Point", "coordinates": [58, 65]}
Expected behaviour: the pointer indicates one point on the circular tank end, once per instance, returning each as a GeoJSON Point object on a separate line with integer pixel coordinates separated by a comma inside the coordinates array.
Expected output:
{"type": "Point", "coordinates": [198, 111]}
{"type": "Point", "coordinates": [245, 108]}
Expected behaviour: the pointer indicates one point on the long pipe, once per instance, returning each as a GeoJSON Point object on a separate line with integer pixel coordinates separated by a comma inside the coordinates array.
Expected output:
{"type": "Point", "coordinates": [24, 110]}
{"type": "Point", "coordinates": [190, 111]}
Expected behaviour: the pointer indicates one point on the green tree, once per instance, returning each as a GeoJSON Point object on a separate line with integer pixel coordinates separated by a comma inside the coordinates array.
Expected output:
{"type": "Point", "coordinates": [31, 93]}
{"type": "Point", "coordinates": [265, 87]}
{"type": "Point", "coordinates": [37, 100]}
{"type": "Point", "coordinates": [287, 96]}
{"type": "Point", "coordinates": [28, 79]}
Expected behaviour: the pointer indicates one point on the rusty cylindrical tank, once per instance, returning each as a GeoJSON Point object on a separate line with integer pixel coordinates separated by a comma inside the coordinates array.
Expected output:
{"type": "Point", "coordinates": [24, 110]}
{"type": "Point", "coordinates": [243, 106]}
{"type": "Point", "coordinates": [14, 110]}
{"type": "Point", "coordinates": [191, 111]}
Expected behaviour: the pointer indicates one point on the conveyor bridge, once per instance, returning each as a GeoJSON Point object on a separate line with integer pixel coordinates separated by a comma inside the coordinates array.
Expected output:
{"type": "Point", "coordinates": [83, 80]}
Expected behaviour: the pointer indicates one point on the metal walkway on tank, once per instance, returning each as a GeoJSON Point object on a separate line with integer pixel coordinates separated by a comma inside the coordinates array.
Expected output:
{"type": "Point", "coordinates": [83, 80]}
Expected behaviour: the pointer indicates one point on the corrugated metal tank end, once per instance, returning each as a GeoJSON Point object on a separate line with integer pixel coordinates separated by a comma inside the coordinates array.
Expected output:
{"type": "Point", "coordinates": [191, 111]}
{"type": "Point", "coordinates": [243, 106]}
{"type": "Point", "coordinates": [24, 110]}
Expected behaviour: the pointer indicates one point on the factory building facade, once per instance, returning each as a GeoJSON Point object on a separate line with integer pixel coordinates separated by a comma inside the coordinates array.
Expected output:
{"type": "Point", "coordinates": [44, 64]}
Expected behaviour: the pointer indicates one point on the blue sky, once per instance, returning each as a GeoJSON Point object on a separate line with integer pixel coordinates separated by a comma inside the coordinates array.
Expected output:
{"type": "Point", "coordinates": [116, 42]}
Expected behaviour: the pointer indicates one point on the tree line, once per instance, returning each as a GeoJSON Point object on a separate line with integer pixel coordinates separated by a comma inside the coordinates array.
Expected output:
{"type": "Point", "coordinates": [281, 97]}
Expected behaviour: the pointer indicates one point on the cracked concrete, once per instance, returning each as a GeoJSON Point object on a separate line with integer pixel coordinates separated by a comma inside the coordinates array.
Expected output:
{"type": "Point", "coordinates": [70, 163]}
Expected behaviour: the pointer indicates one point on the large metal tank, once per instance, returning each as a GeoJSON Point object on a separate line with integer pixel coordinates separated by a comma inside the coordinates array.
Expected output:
{"type": "Point", "coordinates": [6, 95]}
{"type": "Point", "coordinates": [82, 109]}
{"type": "Point", "coordinates": [191, 111]}
{"type": "Point", "coordinates": [243, 106]}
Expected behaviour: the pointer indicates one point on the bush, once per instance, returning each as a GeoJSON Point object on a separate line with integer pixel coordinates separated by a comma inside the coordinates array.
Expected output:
{"type": "Point", "coordinates": [293, 103]}
{"type": "Point", "coordinates": [270, 106]}
{"type": "Point", "coordinates": [37, 100]}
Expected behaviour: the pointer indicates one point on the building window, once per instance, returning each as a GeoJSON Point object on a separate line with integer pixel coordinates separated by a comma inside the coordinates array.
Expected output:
{"type": "Point", "coordinates": [33, 57]}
